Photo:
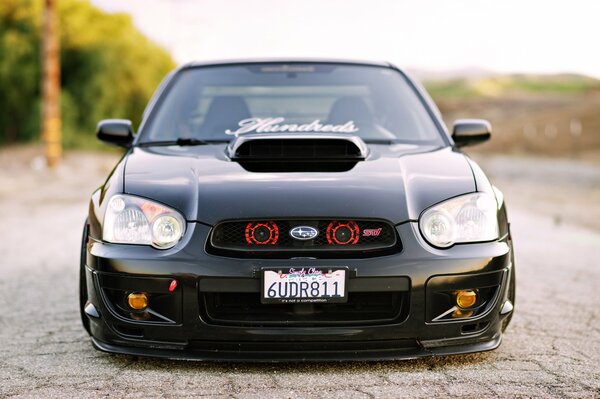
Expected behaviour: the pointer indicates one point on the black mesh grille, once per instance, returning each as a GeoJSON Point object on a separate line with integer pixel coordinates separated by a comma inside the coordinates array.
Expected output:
{"type": "Point", "coordinates": [352, 235]}
{"type": "Point", "coordinates": [362, 308]}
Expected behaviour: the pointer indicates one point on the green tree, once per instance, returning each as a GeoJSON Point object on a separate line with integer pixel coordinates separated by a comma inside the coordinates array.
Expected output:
{"type": "Point", "coordinates": [108, 69]}
{"type": "Point", "coordinates": [19, 69]}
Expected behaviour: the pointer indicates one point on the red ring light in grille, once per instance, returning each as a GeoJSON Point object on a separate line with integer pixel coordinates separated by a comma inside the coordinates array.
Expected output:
{"type": "Point", "coordinates": [343, 233]}
{"type": "Point", "coordinates": [262, 233]}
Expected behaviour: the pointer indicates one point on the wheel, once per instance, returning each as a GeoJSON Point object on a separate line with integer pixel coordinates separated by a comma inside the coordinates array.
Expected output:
{"type": "Point", "coordinates": [82, 280]}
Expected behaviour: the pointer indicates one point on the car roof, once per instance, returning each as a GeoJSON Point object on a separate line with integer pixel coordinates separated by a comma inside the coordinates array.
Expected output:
{"type": "Point", "coordinates": [285, 61]}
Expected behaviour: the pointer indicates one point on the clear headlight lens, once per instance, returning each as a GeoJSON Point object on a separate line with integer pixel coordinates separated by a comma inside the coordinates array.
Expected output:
{"type": "Point", "coordinates": [468, 218]}
{"type": "Point", "coordinates": [166, 229]}
{"type": "Point", "coordinates": [134, 220]}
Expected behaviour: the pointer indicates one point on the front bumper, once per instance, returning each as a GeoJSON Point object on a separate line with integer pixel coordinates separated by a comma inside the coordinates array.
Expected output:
{"type": "Point", "coordinates": [244, 352]}
{"type": "Point", "coordinates": [416, 275]}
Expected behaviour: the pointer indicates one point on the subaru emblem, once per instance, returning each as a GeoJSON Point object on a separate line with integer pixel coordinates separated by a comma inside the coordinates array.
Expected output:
{"type": "Point", "coordinates": [304, 233]}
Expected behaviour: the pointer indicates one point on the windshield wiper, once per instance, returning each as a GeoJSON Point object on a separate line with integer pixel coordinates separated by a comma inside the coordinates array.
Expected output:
{"type": "Point", "coordinates": [381, 141]}
{"type": "Point", "coordinates": [180, 141]}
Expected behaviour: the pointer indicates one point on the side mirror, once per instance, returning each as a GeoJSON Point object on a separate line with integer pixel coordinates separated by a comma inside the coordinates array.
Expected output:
{"type": "Point", "coordinates": [470, 131]}
{"type": "Point", "coordinates": [115, 131]}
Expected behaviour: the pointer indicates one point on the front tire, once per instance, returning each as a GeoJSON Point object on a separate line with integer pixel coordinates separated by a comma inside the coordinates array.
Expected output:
{"type": "Point", "coordinates": [82, 279]}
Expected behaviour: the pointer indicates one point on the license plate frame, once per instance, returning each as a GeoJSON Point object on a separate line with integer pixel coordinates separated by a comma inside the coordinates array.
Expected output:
{"type": "Point", "coordinates": [307, 275]}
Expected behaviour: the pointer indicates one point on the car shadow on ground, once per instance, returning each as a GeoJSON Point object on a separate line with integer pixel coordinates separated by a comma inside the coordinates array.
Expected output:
{"type": "Point", "coordinates": [438, 363]}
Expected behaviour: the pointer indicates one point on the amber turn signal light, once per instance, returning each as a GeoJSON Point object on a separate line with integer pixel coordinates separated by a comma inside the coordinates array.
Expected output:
{"type": "Point", "coordinates": [466, 299]}
{"type": "Point", "coordinates": [137, 300]}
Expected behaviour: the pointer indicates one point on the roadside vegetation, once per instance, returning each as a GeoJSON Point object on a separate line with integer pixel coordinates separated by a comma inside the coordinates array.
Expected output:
{"type": "Point", "coordinates": [108, 69]}
{"type": "Point", "coordinates": [549, 115]}
{"type": "Point", "coordinates": [511, 85]}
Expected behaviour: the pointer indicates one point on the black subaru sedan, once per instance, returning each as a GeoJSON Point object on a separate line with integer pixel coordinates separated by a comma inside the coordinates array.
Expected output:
{"type": "Point", "coordinates": [290, 210]}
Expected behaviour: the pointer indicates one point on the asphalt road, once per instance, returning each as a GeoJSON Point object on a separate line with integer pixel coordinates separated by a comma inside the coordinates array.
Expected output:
{"type": "Point", "coordinates": [551, 349]}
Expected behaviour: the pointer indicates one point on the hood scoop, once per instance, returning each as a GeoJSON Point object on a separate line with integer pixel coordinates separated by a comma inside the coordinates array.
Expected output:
{"type": "Point", "coordinates": [297, 153]}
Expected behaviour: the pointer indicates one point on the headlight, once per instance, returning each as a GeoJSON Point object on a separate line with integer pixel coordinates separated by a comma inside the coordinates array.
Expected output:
{"type": "Point", "coordinates": [134, 220]}
{"type": "Point", "coordinates": [468, 218]}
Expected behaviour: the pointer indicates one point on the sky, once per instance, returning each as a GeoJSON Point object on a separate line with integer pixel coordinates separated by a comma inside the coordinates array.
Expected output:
{"type": "Point", "coordinates": [505, 36]}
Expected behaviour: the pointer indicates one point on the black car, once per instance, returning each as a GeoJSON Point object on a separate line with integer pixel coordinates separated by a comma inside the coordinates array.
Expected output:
{"type": "Point", "coordinates": [295, 210]}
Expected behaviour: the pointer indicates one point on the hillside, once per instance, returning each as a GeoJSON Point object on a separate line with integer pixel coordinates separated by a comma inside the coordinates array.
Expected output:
{"type": "Point", "coordinates": [504, 85]}
{"type": "Point", "coordinates": [556, 115]}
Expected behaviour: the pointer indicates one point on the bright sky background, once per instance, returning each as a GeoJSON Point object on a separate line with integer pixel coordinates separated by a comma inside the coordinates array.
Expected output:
{"type": "Point", "coordinates": [544, 36]}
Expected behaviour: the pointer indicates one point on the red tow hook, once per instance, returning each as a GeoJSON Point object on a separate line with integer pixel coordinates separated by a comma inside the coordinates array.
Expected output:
{"type": "Point", "coordinates": [173, 285]}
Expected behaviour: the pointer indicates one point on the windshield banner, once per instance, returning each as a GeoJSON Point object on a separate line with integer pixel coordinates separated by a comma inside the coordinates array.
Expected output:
{"type": "Point", "coordinates": [276, 125]}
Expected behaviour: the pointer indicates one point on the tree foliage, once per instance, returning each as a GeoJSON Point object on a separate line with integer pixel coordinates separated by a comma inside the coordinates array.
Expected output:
{"type": "Point", "coordinates": [108, 69]}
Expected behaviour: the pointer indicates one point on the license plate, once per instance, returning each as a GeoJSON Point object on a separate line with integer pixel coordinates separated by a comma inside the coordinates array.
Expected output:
{"type": "Point", "coordinates": [304, 285]}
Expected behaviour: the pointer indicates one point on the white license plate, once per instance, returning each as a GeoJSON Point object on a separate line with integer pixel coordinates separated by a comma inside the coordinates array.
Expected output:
{"type": "Point", "coordinates": [304, 285]}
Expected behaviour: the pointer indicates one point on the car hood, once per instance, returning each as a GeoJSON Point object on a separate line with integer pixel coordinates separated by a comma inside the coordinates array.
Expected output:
{"type": "Point", "coordinates": [395, 183]}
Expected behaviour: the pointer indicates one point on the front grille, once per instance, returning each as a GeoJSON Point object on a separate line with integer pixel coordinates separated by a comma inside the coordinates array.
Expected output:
{"type": "Point", "coordinates": [246, 309]}
{"type": "Point", "coordinates": [367, 237]}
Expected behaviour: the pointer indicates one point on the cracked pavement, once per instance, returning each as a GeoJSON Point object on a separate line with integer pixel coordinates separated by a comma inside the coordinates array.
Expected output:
{"type": "Point", "coordinates": [551, 349]}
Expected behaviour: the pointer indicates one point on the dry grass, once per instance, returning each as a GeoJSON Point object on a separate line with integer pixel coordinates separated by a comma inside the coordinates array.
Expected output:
{"type": "Point", "coordinates": [542, 124]}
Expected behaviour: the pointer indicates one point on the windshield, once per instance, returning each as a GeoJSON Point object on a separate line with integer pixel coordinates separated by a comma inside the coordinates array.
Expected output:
{"type": "Point", "coordinates": [218, 103]}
